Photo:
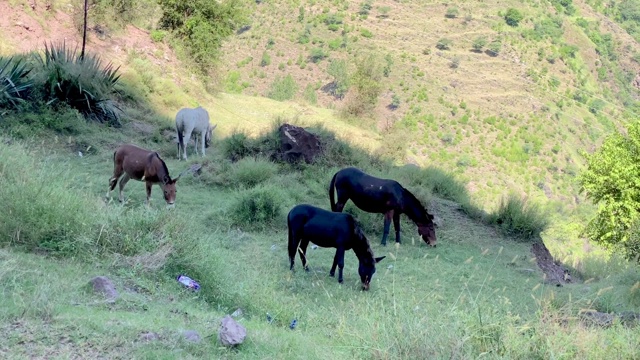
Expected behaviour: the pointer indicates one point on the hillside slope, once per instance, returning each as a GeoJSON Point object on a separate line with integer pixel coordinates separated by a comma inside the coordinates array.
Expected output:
{"type": "Point", "coordinates": [511, 117]}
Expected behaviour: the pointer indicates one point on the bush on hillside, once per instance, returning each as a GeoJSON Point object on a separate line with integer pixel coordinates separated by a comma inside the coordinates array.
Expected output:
{"type": "Point", "coordinates": [283, 88]}
{"type": "Point", "coordinates": [252, 171]}
{"type": "Point", "coordinates": [62, 76]}
{"type": "Point", "coordinates": [203, 25]}
{"type": "Point", "coordinates": [513, 17]}
{"type": "Point", "coordinates": [518, 218]}
{"type": "Point", "coordinates": [15, 85]}
{"type": "Point", "coordinates": [258, 207]}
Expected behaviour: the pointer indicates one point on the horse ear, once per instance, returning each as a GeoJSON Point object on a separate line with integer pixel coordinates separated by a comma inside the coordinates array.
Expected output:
{"type": "Point", "coordinates": [379, 258]}
{"type": "Point", "coordinates": [214, 127]}
{"type": "Point", "coordinates": [430, 216]}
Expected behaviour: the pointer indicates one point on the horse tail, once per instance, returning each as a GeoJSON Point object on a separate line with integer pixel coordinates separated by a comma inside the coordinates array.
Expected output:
{"type": "Point", "coordinates": [179, 130]}
{"type": "Point", "coordinates": [332, 185]}
{"type": "Point", "coordinates": [292, 242]}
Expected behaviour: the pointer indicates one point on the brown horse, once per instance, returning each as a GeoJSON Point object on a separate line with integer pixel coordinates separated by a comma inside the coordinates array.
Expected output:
{"type": "Point", "coordinates": [385, 196]}
{"type": "Point", "coordinates": [142, 165]}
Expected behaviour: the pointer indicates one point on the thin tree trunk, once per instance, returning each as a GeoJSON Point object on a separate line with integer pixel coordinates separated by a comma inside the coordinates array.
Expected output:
{"type": "Point", "coordinates": [84, 29]}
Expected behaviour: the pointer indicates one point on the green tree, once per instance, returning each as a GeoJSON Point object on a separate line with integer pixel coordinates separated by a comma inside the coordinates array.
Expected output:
{"type": "Point", "coordinates": [612, 181]}
{"type": "Point", "coordinates": [513, 17]}
{"type": "Point", "coordinates": [203, 25]}
{"type": "Point", "coordinates": [338, 70]}
{"type": "Point", "coordinates": [366, 85]}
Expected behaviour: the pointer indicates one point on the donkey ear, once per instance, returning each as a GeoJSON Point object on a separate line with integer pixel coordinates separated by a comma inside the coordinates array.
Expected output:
{"type": "Point", "coordinates": [379, 258]}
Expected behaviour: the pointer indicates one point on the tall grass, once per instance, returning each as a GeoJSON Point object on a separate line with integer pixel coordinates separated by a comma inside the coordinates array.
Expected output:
{"type": "Point", "coordinates": [43, 212]}
{"type": "Point", "coordinates": [518, 218]}
{"type": "Point", "coordinates": [15, 85]}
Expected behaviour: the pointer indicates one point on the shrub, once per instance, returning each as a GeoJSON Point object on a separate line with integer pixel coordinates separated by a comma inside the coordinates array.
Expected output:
{"type": "Point", "coordinates": [366, 83]}
{"type": "Point", "coordinates": [266, 59]}
{"type": "Point", "coordinates": [519, 219]}
{"type": "Point", "coordinates": [258, 207]}
{"type": "Point", "coordinates": [251, 171]}
{"type": "Point", "coordinates": [495, 47]}
{"type": "Point", "coordinates": [444, 44]}
{"type": "Point", "coordinates": [366, 33]}
{"type": "Point", "coordinates": [513, 17]}
{"type": "Point", "coordinates": [317, 55]}
{"type": "Point", "coordinates": [237, 146]}
{"type": "Point", "coordinates": [82, 83]}
{"type": "Point", "coordinates": [455, 62]}
{"type": "Point", "coordinates": [479, 43]}
{"type": "Point", "coordinates": [203, 25]}
{"type": "Point", "coordinates": [283, 88]}
{"type": "Point", "coordinates": [15, 85]}
{"type": "Point", "coordinates": [310, 94]}
{"type": "Point", "coordinates": [452, 12]}
{"type": "Point", "coordinates": [338, 70]}
{"type": "Point", "coordinates": [158, 35]}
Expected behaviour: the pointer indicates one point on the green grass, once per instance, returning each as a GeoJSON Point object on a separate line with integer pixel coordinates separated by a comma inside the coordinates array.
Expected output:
{"type": "Point", "coordinates": [477, 292]}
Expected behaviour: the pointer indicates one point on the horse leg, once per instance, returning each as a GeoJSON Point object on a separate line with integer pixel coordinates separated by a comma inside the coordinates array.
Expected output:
{"type": "Point", "coordinates": [342, 201]}
{"type": "Point", "coordinates": [387, 224]}
{"type": "Point", "coordinates": [396, 225]}
{"type": "Point", "coordinates": [332, 273]}
{"type": "Point", "coordinates": [187, 138]}
{"type": "Point", "coordinates": [202, 136]}
{"type": "Point", "coordinates": [303, 253]}
{"type": "Point", "coordinates": [123, 182]}
{"type": "Point", "coordinates": [340, 258]}
{"type": "Point", "coordinates": [117, 172]}
{"type": "Point", "coordinates": [293, 246]}
{"type": "Point", "coordinates": [148, 186]}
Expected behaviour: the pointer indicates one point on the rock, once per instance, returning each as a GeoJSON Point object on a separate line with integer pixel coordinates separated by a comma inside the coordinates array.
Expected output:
{"type": "Point", "coordinates": [104, 286]}
{"type": "Point", "coordinates": [231, 333]}
{"type": "Point", "coordinates": [598, 318]}
{"type": "Point", "coordinates": [191, 335]}
{"type": "Point", "coordinates": [149, 336]}
{"type": "Point", "coordinates": [296, 143]}
{"type": "Point", "coordinates": [237, 313]}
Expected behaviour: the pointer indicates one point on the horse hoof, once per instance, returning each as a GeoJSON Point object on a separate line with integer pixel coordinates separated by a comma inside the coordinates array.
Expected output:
{"type": "Point", "coordinates": [340, 281]}
{"type": "Point", "coordinates": [332, 274]}
{"type": "Point", "coordinates": [383, 243]}
{"type": "Point", "coordinates": [306, 269]}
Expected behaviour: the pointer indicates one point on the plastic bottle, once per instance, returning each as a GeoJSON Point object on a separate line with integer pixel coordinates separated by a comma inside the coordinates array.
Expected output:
{"type": "Point", "coordinates": [188, 282]}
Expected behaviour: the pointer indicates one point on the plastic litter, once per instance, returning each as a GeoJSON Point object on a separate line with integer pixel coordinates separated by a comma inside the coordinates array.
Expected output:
{"type": "Point", "coordinates": [269, 318]}
{"type": "Point", "coordinates": [188, 282]}
{"type": "Point", "coordinates": [314, 247]}
{"type": "Point", "coordinates": [293, 324]}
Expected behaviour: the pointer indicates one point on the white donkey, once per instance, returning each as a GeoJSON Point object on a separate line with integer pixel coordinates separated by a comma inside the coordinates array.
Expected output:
{"type": "Point", "coordinates": [194, 121]}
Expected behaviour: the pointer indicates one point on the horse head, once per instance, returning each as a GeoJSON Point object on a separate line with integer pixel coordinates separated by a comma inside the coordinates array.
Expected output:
{"type": "Point", "coordinates": [366, 269]}
{"type": "Point", "coordinates": [427, 231]}
{"type": "Point", "coordinates": [209, 135]}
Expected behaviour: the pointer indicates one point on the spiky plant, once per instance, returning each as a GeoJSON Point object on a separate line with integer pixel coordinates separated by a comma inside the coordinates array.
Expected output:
{"type": "Point", "coordinates": [81, 82]}
{"type": "Point", "coordinates": [14, 81]}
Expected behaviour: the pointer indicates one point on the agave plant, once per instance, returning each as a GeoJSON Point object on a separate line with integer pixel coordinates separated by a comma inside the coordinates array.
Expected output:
{"type": "Point", "coordinates": [81, 82]}
{"type": "Point", "coordinates": [14, 81]}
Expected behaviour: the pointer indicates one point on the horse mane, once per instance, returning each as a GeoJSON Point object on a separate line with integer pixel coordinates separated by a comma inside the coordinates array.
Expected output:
{"type": "Point", "coordinates": [164, 166]}
{"type": "Point", "coordinates": [414, 209]}
{"type": "Point", "coordinates": [363, 242]}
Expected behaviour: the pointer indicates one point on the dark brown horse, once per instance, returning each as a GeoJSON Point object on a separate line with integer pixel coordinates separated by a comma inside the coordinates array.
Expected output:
{"type": "Point", "coordinates": [329, 229]}
{"type": "Point", "coordinates": [384, 196]}
{"type": "Point", "coordinates": [142, 165]}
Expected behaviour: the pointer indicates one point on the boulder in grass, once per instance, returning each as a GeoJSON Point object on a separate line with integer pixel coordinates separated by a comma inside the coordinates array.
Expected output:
{"type": "Point", "coordinates": [298, 144]}
{"type": "Point", "coordinates": [103, 285]}
{"type": "Point", "coordinates": [231, 333]}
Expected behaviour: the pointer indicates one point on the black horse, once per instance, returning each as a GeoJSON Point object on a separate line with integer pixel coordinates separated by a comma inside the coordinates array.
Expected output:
{"type": "Point", "coordinates": [329, 229]}
{"type": "Point", "coordinates": [385, 196]}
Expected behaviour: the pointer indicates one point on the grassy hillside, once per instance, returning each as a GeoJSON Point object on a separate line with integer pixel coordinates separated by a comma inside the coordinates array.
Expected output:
{"type": "Point", "coordinates": [486, 124]}
{"type": "Point", "coordinates": [511, 116]}
{"type": "Point", "coordinates": [479, 292]}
